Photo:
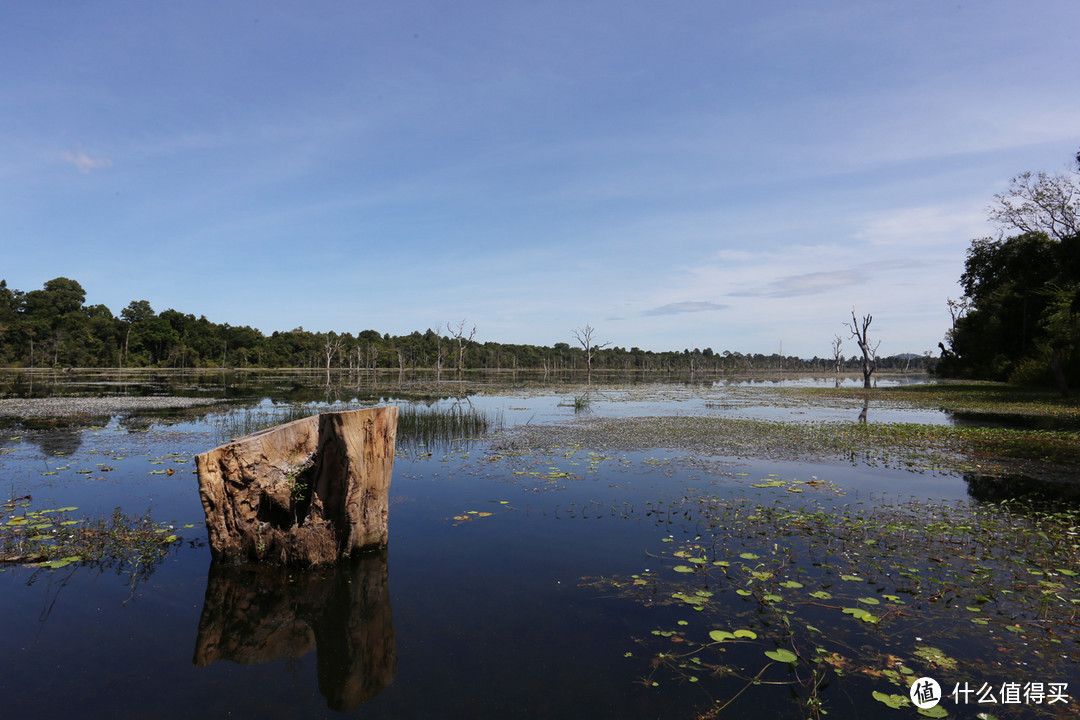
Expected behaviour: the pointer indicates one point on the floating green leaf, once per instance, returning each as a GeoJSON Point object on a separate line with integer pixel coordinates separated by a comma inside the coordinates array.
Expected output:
{"type": "Point", "coordinates": [894, 701]}
{"type": "Point", "coordinates": [861, 614]}
{"type": "Point", "coordinates": [781, 655]}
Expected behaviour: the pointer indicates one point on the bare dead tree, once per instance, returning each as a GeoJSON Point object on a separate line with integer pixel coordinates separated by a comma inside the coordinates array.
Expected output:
{"type": "Point", "coordinates": [838, 356]}
{"type": "Point", "coordinates": [440, 353]}
{"type": "Point", "coordinates": [1039, 202]}
{"type": "Point", "coordinates": [859, 331]}
{"type": "Point", "coordinates": [958, 308]}
{"type": "Point", "coordinates": [459, 335]}
{"type": "Point", "coordinates": [332, 343]}
{"type": "Point", "coordinates": [585, 337]}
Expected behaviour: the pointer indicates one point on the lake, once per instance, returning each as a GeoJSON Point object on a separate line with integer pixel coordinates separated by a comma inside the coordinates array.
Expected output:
{"type": "Point", "coordinates": [536, 571]}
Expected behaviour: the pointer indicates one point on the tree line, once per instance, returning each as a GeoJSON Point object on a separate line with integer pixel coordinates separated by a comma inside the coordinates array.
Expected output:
{"type": "Point", "coordinates": [1019, 316]}
{"type": "Point", "coordinates": [52, 327]}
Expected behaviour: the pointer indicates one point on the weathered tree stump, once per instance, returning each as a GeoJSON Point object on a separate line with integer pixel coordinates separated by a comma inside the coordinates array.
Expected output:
{"type": "Point", "coordinates": [309, 492]}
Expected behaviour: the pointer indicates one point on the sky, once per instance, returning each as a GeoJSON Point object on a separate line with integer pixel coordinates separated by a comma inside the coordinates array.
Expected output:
{"type": "Point", "coordinates": [733, 175]}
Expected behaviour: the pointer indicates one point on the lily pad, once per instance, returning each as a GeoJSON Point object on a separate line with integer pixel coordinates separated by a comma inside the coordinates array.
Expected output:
{"type": "Point", "coordinates": [781, 655]}
{"type": "Point", "coordinates": [894, 701]}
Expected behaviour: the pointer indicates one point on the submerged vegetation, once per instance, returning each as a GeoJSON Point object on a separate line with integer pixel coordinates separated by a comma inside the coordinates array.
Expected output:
{"type": "Point", "coordinates": [817, 593]}
{"type": "Point", "coordinates": [921, 448]}
{"type": "Point", "coordinates": [51, 538]}
{"type": "Point", "coordinates": [976, 402]}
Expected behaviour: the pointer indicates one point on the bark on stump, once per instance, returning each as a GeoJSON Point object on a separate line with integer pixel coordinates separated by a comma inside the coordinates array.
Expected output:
{"type": "Point", "coordinates": [309, 492]}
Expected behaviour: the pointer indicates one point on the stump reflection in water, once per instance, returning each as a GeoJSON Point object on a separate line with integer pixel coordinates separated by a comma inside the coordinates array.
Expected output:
{"type": "Point", "coordinates": [257, 613]}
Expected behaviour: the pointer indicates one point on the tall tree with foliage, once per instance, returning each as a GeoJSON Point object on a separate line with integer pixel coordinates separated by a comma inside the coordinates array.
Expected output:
{"type": "Point", "coordinates": [1022, 292]}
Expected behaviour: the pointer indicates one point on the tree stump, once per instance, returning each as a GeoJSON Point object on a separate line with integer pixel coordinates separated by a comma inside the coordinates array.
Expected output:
{"type": "Point", "coordinates": [309, 492]}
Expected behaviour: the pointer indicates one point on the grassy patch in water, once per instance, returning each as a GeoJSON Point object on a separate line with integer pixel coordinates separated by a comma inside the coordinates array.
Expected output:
{"type": "Point", "coordinates": [910, 446]}
{"type": "Point", "coordinates": [432, 429]}
{"type": "Point", "coordinates": [974, 401]}
{"type": "Point", "coordinates": [52, 539]}
{"type": "Point", "coordinates": [418, 428]}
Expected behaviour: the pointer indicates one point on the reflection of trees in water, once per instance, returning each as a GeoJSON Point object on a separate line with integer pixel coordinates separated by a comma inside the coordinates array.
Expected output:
{"type": "Point", "coordinates": [1041, 493]}
{"type": "Point", "coordinates": [55, 441]}
{"type": "Point", "coordinates": [256, 613]}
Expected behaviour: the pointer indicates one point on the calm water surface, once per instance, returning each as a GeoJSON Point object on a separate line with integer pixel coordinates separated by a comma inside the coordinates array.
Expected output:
{"type": "Point", "coordinates": [495, 615]}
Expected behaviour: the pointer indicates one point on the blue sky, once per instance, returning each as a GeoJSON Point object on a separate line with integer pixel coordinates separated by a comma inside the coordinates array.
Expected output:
{"type": "Point", "coordinates": [684, 174]}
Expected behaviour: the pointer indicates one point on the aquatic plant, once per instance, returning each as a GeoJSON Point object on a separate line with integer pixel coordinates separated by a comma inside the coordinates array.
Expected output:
{"type": "Point", "coordinates": [419, 426]}
{"type": "Point", "coordinates": [434, 429]}
{"type": "Point", "coordinates": [51, 539]}
{"type": "Point", "coordinates": [828, 589]}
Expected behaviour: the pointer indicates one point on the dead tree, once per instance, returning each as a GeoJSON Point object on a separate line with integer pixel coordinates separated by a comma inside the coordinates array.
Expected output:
{"type": "Point", "coordinates": [332, 343]}
{"type": "Point", "coordinates": [440, 353]}
{"type": "Point", "coordinates": [459, 335]}
{"type": "Point", "coordinates": [869, 354]}
{"type": "Point", "coordinates": [838, 357]}
{"type": "Point", "coordinates": [585, 337]}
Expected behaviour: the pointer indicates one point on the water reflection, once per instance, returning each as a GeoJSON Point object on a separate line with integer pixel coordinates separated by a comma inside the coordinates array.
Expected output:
{"type": "Point", "coordinates": [258, 613]}
{"type": "Point", "coordinates": [1045, 494]}
{"type": "Point", "coordinates": [55, 441]}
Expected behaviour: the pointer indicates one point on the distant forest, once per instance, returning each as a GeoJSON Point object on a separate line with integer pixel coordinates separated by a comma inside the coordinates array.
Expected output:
{"type": "Point", "coordinates": [54, 328]}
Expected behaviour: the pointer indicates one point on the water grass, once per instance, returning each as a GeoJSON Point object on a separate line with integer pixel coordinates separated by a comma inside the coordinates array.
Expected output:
{"type": "Point", "coordinates": [238, 422]}
{"type": "Point", "coordinates": [438, 429]}
{"type": "Point", "coordinates": [428, 427]}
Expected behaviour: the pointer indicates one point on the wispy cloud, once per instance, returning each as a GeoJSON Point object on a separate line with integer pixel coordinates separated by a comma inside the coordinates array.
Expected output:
{"type": "Point", "coordinates": [688, 306]}
{"type": "Point", "coordinates": [824, 281]}
{"type": "Point", "coordinates": [84, 163]}
{"type": "Point", "coordinates": [805, 284]}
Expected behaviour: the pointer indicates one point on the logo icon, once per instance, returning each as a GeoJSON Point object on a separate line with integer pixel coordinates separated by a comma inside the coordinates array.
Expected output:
{"type": "Point", "coordinates": [925, 693]}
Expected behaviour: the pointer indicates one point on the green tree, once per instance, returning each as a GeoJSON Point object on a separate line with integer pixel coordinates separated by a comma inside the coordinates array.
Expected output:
{"type": "Point", "coordinates": [51, 317]}
{"type": "Point", "coordinates": [1018, 319]}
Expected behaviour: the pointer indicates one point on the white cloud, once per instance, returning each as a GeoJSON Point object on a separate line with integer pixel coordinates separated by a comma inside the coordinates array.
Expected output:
{"type": "Point", "coordinates": [688, 306]}
{"type": "Point", "coordinates": [812, 283]}
{"type": "Point", "coordinates": [84, 163]}
{"type": "Point", "coordinates": [926, 228]}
